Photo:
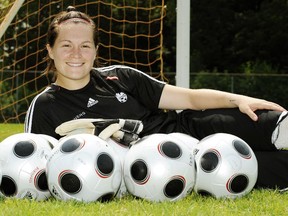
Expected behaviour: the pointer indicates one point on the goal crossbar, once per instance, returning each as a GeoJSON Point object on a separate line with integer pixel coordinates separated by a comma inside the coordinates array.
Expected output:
{"type": "Point", "coordinates": [10, 16]}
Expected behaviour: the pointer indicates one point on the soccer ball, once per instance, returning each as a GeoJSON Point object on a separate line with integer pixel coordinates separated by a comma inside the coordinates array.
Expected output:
{"type": "Point", "coordinates": [188, 140]}
{"type": "Point", "coordinates": [0, 175]}
{"type": "Point", "coordinates": [23, 160]}
{"type": "Point", "coordinates": [52, 141]}
{"type": "Point", "coordinates": [121, 151]}
{"type": "Point", "coordinates": [85, 168]}
{"type": "Point", "coordinates": [159, 167]}
{"type": "Point", "coordinates": [226, 166]}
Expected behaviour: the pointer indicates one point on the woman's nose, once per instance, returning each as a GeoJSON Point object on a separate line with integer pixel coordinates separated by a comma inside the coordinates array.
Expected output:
{"type": "Point", "coordinates": [76, 52]}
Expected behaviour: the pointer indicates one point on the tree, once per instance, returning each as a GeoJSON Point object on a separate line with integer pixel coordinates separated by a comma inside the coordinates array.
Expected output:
{"type": "Point", "coordinates": [225, 34]}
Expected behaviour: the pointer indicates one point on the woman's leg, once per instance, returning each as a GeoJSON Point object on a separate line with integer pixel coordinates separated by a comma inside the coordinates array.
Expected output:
{"type": "Point", "coordinates": [272, 169]}
{"type": "Point", "coordinates": [272, 163]}
{"type": "Point", "coordinates": [200, 124]}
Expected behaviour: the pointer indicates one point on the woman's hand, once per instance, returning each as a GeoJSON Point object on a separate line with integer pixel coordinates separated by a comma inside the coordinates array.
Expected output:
{"type": "Point", "coordinates": [249, 105]}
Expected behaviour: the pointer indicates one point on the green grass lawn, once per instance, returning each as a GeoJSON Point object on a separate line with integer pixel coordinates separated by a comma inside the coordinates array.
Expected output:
{"type": "Point", "coordinates": [9, 129]}
{"type": "Point", "coordinates": [258, 202]}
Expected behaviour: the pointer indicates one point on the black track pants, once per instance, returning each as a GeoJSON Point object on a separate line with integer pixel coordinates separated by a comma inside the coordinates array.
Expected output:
{"type": "Point", "coordinates": [272, 169]}
{"type": "Point", "coordinates": [258, 134]}
{"type": "Point", "coordinates": [272, 164]}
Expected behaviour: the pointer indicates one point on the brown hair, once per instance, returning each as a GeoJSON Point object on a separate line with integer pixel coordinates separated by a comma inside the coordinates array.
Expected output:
{"type": "Point", "coordinates": [69, 15]}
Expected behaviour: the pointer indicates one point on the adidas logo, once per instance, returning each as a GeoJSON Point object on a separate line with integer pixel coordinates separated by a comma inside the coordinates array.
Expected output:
{"type": "Point", "coordinates": [91, 102]}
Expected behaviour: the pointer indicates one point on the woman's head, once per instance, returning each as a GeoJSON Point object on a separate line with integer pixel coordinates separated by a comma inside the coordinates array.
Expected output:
{"type": "Point", "coordinates": [63, 19]}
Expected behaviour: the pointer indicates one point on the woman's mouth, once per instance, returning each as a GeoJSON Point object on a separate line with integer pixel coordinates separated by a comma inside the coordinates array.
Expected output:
{"type": "Point", "coordinates": [71, 64]}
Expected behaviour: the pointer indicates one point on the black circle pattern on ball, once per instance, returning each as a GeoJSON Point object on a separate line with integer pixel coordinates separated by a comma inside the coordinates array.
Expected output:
{"type": "Point", "coordinates": [238, 183]}
{"type": "Point", "coordinates": [70, 183]}
{"type": "Point", "coordinates": [242, 148]}
{"type": "Point", "coordinates": [8, 186]}
{"type": "Point", "coordinates": [105, 164]}
{"type": "Point", "coordinates": [41, 181]}
{"type": "Point", "coordinates": [174, 188]}
{"type": "Point", "coordinates": [139, 171]}
{"type": "Point", "coordinates": [24, 148]}
{"type": "Point", "coordinates": [106, 197]}
{"type": "Point", "coordinates": [203, 192]}
{"type": "Point", "coordinates": [71, 145]}
{"type": "Point", "coordinates": [170, 149]}
{"type": "Point", "coordinates": [209, 161]}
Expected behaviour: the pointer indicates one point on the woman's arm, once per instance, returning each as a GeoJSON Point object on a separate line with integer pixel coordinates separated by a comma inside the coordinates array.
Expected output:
{"type": "Point", "coordinates": [178, 98]}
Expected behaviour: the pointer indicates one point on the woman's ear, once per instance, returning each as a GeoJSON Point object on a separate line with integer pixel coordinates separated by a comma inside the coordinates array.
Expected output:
{"type": "Point", "coordinates": [50, 53]}
{"type": "Point", "coordinates": [96, 52]}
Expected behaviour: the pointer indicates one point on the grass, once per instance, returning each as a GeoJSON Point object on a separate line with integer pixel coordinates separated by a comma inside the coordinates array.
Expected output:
{"type": "Point", "coordinates": [258, 202]}
{"type": "Point", "coordinates": [9, 129]}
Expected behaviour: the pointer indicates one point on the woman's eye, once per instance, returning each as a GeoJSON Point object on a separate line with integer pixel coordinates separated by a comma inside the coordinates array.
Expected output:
{"type": "Point", "coordinates": [66, 45]}
{"type": "Point", "coordinates": [86, 46]}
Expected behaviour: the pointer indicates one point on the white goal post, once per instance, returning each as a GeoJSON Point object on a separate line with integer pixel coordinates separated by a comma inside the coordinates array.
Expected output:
{"type": "Point", "coordinates": [183, 43]}
{"type": "Point", "coordinates": [10, 16]}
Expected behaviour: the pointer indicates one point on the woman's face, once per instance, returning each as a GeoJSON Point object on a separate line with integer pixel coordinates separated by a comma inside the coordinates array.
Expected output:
{"type": "Point", "coordinates": [74, 53]}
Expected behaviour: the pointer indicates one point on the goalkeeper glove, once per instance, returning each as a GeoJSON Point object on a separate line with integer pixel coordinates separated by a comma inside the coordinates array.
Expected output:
{"type": "Point", "coordinates": [125, 131]}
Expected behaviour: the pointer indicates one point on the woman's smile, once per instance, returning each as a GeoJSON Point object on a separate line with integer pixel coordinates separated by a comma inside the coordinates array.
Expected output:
{"type": "Point", "coordinates": [71, 64]}
{"type": "Point", "coordinates": [73, 55]}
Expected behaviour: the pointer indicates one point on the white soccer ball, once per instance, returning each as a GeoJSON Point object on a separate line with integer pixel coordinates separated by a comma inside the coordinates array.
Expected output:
{"type": "Point", "coordinates": [0, 174]}
{"type": "Point", "coordinates": [121, 151]}
{"type": "Point", "coordinates": [188, 140]}
{"type": "Point", "coordinates": [226, 166]}
{"type": "Point", "coordinates": [85, 168]}
{"type": "Point", "coordinates": [23, 160]}
{"type": "Point", "coordinates": [0, 171]}
{"type": "Point", "coordinates": [158, 168]}
{"type": "Point", "coordinates": [52, 141]}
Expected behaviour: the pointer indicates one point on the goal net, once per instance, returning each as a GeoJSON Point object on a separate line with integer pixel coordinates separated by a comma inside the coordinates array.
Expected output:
{"type": "Point", "coordinates": [130, 33]}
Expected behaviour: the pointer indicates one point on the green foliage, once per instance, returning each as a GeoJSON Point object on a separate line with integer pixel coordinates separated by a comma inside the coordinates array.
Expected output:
{"type": "Point", "coordinates": [169, 37]}
{"type": "Point", "coordinates": [227, 34]}
{"type": "Point", "coordinates": [13, 100]}
{"type": "Point", "coordinates": [269, 87]}
{"type": "Point", "coordinates": [5, 99]}
{"type": "Point", "coordinates": [257, 67]}
{"type": "Point", "coordinates": [214, 81]}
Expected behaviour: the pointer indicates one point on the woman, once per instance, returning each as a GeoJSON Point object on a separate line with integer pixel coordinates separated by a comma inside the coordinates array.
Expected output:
{"type": "Point", "coordinates": [81, 91]}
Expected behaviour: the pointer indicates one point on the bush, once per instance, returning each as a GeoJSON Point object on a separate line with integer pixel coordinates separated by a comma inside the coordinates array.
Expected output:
{"type": "Point", "coordinates": [270, 87]}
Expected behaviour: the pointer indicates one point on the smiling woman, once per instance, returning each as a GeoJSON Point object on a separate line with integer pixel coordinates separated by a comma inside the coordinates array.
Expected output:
{"type": "Point", "coordinates": [82, 91]}
{"type": "Point", "coordinates": [132, 35]}
{"type": "Point", "coordinates": [72, 54]}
